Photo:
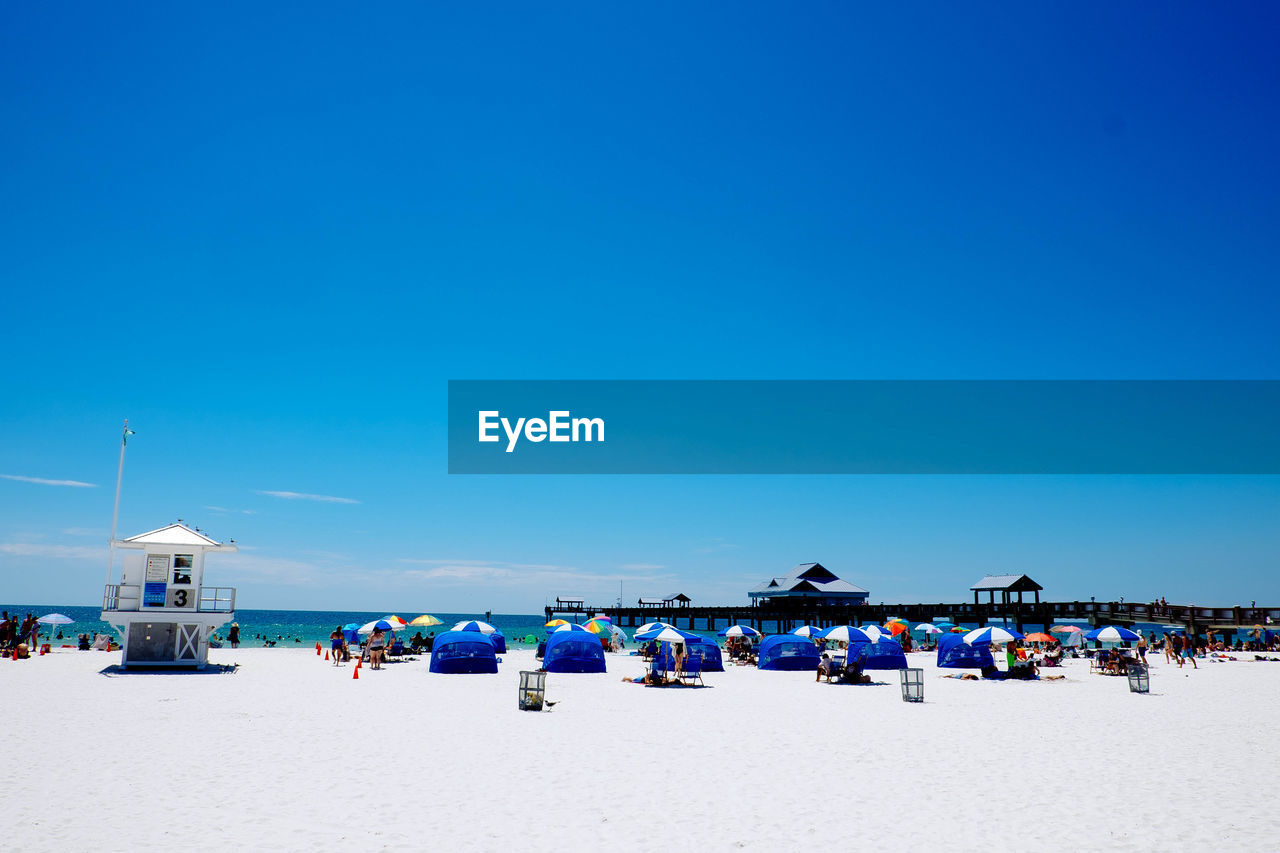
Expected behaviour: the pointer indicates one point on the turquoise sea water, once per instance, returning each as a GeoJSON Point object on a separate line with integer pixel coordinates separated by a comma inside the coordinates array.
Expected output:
{"type": "Point", "coordinates": [301, 628]}
{"type": "Point", "coordinates": [296, 628]}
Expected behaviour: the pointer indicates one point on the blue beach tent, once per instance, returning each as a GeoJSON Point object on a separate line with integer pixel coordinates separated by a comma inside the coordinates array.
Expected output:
{"type": "Point", "coordinates": [457, 652]}
{"type": "Point", "coordinates": [788, 652]}
{"type": "Point", "coordinates": [573, 651]}
{"type": "Point", "coordinates": [883, 654]}
{"type": "Point", "coordinates": [499, 642]}
{"type": "Point", "coordinates": [698, 646]}
{"type": "Point", "coordinates": [955, 653]}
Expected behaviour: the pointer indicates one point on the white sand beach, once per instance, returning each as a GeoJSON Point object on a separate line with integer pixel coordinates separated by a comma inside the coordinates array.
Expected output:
{"type": "Point", "coordinates": [290, 753]}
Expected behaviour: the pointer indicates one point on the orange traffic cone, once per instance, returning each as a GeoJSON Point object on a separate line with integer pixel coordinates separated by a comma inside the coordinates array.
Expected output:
{"type": "Point", "coordinates": [326, 654]}
{"type": "Point", "coordinates": [355, 673]}
{"type": "Point", "coordinates": [317, 648]}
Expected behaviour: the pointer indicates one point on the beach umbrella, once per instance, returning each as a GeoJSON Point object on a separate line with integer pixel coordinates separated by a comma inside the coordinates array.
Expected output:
{"type": "Point", "coordinates": [618, 632]}
{"type": "Point", "coordinates": [1111, 634]}
{"type": "Point", "coordinates": [569, 626]}
{"type": "Point", "coordinates": [807, 631]}
{"type": "Point", "coordinates": [377, 623]}
{"type": "Point", "coordinates": [991, 635]}
{"type": "Point", "coordinates": [395, 622]}
{"type": "Point", "coordinates": [426, 620]}
{"type": "Point", "coordinates": [874, 632]}
{"type": "Point", "coordinates": [928, 628]}
{"type": "Point", "coordinates": [351, 631]}
{"type": "Point", "coordinates": [1039, 637]}
{"type": "Point", "coordinates": [651, 626]}
{"type": "Point", "coordinates": [55, 619]}
{"type": "Point", "coordinates": [599, 627]}
{"type": "Point", "coordinates": [896, 628]}
{"type": "Point", "coordinates": [1065, 629]}
{"type": "Point", "coordinates": [849, 634]}
{"type": "Point", "coordinates": [956, 629]}
{"type": "Point", "coordinates": [666, 634]}
{"type": "Point", "coordinates": [482, 627]}
{"type": "Point", "coordinates": [740, 631]}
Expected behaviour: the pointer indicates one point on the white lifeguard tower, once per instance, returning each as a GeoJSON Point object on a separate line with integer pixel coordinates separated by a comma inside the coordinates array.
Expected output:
{"type": "Point", "coordinates": [161, 608]}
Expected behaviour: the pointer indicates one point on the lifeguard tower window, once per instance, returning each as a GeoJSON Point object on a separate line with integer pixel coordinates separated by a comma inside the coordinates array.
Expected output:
{"type": "Point", "coordinates": [182, 568]}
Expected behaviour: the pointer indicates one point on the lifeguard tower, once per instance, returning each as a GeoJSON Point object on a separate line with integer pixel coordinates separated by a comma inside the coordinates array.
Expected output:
{"type": "Point", "coordinates": [161, 608]}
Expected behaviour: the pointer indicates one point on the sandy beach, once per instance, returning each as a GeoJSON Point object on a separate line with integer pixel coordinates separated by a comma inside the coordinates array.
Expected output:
{"type": "Point", "coordinates": [287, 752]}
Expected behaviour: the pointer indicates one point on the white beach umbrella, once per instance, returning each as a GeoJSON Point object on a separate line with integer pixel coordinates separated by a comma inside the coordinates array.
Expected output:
{"type": "Point", "coordinates": [807, 631]}
{"type": "Point", "coordinates": [740, 631]}
{"type": "Point", "coordinates": [991, 635]}
{"type": "Point", "coordinates": [618, 632]}
{"type": "Point", "coordinates": [929, 628]}
{"type": "Point", "coordinates": [652, 626]}
{"type": "Point", "coordinates": [473, 625]}
{"type": "Point", "coordinates": [55, 619]}
{"type": "Point", "coordinates": [874, 633]}
{"type": "Point", "coordinates": [850, 634]}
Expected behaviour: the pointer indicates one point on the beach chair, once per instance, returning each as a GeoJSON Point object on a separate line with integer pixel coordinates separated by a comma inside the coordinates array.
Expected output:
{"type": "Point", "coordinates": [692, 670]}
{"type": "Point", "coordinates": [397, 649]}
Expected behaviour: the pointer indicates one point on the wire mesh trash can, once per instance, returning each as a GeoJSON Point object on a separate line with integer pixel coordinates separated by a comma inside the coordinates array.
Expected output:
{"type": "Point", "coordinates": [533, 690]}
{"type": "Point", "coordinates": [1139, 678]}
{"type": "Point", "coordinates": [912, 685]}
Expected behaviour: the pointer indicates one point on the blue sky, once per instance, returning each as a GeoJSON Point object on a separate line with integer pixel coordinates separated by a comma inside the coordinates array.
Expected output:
{"type": "Point", "coordinates": [269, 237]}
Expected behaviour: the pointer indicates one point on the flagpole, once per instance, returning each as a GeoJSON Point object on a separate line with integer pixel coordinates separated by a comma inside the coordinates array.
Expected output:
{"type": "Point", "coordinates": [115, 512]}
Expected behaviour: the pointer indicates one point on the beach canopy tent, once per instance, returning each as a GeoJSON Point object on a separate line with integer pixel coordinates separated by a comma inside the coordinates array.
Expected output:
{"type": "Point", "coordinates": [698, 646]}
{"type": "Point", "coordinates": [955, 653]}
{"type": "Point", "coordinates": [787, 652]}
{"type": "Point", "coordinates": [573, 651]}
{"type": "Point", "coordinates": [499, 641]}
{"type": "Point", "coordinates": [457, 652]}
{"type": "Point", "coordinates": [883, 654]}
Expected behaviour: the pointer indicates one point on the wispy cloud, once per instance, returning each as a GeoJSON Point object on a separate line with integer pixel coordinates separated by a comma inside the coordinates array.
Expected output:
{"type": "Point", "coordinates": [303, 496]}
{"type": "Point", "coordinates": [541, 576]}
{"type": "Point", "coordinates": [84, 531]}
{"type": "Point", "coordinates": [715, 546]}
{"type": "Point", "coordinates": [223, 509]}
{"type": "Point", "coordinates": [21, 478]}
{"type": "Point", "coordinates": [641, 567]}
{"type": "Point", "coordinates": [34, 549]}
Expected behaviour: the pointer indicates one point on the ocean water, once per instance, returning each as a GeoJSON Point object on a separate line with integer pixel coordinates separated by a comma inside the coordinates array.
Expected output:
{"type": "Point", "coordinates": [302, 628]}
{"type": "Point", "coordinates": [296, 628]}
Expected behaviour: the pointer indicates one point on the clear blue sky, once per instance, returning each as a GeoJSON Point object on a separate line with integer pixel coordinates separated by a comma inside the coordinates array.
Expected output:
{"type": "Point", "coordinates": [268, 235]}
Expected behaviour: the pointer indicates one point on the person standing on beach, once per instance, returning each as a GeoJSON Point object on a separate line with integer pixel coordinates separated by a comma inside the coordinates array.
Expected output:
{"type": "Point", "coordinates": [1189, 650]}
{"type": "Point", "coordinates": [1142, 648]}
{"type": "Point", "coordinates": [377, 642]}
{"type": "Point", "coordinates": [335, 644]}
{"type": "Point", "coordinates": [233, 636]}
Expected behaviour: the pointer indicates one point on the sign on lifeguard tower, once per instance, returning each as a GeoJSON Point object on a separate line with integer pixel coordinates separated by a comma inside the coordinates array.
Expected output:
{"type": "Point", "coordinates": [161, 608]}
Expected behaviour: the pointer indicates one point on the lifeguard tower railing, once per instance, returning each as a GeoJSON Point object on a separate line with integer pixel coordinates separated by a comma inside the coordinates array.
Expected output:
{"type": "Point", "coordinates": [125, 597]}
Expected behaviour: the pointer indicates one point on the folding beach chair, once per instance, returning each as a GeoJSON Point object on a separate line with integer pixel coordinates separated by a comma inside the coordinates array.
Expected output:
{"type": "Point", "coordinates": [692, 670]}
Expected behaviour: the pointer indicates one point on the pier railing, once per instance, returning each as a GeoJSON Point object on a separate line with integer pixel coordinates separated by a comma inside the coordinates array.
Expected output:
{"type": "Point", "coordinates": [785, 615]}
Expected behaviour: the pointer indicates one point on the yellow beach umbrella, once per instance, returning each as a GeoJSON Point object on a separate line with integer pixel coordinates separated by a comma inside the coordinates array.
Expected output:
{"type": "Point", "coordinates": [426, 620]}
{"type": "Point", "coordinates": [556, 623]}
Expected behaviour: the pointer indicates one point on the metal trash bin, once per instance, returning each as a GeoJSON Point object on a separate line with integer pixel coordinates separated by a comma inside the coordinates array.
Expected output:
{"type": "Point", "coordinates": [912, 685]}
{"type": "Point", "coordinates": [1139, 678]}
{"type": "Point", "coordinates": [533, 690]}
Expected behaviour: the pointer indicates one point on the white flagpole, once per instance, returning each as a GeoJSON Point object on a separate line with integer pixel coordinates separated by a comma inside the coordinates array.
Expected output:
{"type": "Point", "coordinates": [115, 512]}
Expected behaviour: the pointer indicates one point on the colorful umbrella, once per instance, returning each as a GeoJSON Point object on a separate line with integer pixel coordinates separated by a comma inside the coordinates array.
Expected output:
{"type": "Point", "coordinates": [599, 626]}
{"type": "Point", "coordinates": [1039, 637]}
{"type": "Point", "coordinates": [896, 628]}
{"type": "Point", "coordinates": [395, 622]}
{"type": "Point", "coordinates": [556, 623]}
{"type": "Point", "coordinates": [956, 629]}
{"type": "Point", "coordinates": [1065, 629]}
{"type": "Point", "coordinates": [426, 620]}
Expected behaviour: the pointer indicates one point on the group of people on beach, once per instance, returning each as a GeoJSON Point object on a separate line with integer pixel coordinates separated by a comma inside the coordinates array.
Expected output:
{"type": "Point", "coordinates": [18, 635]}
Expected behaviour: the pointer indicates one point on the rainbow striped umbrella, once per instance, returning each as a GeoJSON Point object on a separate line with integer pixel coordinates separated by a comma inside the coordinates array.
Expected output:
{"type": "Point", "coordinates": [601, 627]}
{"type": "Point", "coordinates": [556, 623]}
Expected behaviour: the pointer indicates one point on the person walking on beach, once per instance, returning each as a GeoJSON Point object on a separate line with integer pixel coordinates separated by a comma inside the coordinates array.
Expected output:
{"type": "Point", "coordinates": [1189, 650]}
{"type": "Point", "coordinates": [1142, 648]}
{"type": "Point", "coordinates": [335, 645]}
